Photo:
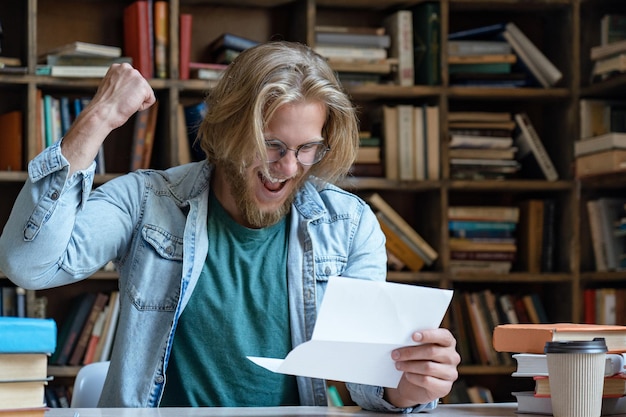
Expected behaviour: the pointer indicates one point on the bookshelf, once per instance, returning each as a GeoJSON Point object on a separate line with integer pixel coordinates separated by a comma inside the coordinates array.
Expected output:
{"type": "Point", "coordinates": [563, 29]}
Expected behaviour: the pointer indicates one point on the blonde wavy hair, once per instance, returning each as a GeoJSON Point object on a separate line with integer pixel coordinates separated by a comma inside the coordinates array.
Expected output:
{"type": "Point", "coordinates": [261, 80]}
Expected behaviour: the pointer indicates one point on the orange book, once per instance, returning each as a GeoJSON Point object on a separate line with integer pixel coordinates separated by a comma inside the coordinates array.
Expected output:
{"type": "Point", "coordinates": [532, 338]}
{"type": "Point", "coordinates": [161, 38]}
{"type": "Point", "coordinates": [137, 42]}
{"type": "Point", "coordinates": [149, 138]}
{"type": "Point", "coordinates": [614, 386]}
{"type": "Point", "coordinates": [185, 45]}
{"type": "Point", "coordinates": [399, 248]}
{"type": "Point", "coordinates": [11, 145]}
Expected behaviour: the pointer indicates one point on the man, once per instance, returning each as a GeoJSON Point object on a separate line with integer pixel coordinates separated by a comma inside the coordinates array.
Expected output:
{"type": "Point", "coordinates": [222, 258]}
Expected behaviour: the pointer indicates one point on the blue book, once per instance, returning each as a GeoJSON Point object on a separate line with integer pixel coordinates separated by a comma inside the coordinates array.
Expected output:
{"type": "Point", "coordinates": [27, 335]}
{"type": "Point", "coordinates": [480, 225]}
{"type": "Point", "coordinates": [482, 32]}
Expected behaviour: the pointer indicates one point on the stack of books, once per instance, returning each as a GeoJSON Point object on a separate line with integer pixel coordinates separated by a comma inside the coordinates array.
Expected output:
{"type": "Point", "coordinates": [481, 145]}
{"type": "Point", "coordinates": [359, 54]}
{"type": "Point", "coordinates": [609, 57]}
{"type": "Point", "coordinates": [527, 341]}
{"type": "Point", "coordinates": [403, 242]}
{"type": "Point", "coordinates": [482, 238]}
{"type": "Point", "coordinates": [226, 47]}
{"type": "Point", "coordinates": [480, 56]}
{"type": "Point", "coordinates": [25, 344]}
{"type": "Point", "coordinates": [80, 59]}
{"type": "Point", "coordinates": [602, 146]}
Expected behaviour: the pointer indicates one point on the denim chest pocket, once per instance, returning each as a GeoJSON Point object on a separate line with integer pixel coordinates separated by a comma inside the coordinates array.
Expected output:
{"type": "Point", "coordinates": [156, 275]}
{"type": "Point", "coordinates": [329, 266]}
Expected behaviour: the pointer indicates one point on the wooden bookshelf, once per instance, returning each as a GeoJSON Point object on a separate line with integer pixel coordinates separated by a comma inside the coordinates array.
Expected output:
{"type": "Point", "coordinates": [556, 26]}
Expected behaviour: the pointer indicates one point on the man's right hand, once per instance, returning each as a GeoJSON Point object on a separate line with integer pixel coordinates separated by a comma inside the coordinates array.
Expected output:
{"type": "Point", "coordinates": [122, 92]}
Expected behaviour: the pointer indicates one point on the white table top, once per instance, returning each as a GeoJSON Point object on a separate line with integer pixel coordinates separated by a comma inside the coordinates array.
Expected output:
{"type": "Point", "coordinates": [445, 410]}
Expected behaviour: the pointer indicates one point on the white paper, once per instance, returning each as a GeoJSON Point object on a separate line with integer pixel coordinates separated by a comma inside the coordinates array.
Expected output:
{"type": "Point", "coordinates": [359, 323]}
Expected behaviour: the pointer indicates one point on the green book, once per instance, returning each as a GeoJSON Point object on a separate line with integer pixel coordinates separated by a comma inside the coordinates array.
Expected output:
{"type": "Point", "coordinates": [427, 43]}
{"type": "Point", "coordinates": [491, 68]}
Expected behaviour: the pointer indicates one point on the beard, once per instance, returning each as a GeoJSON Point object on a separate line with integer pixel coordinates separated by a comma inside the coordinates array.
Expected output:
{"type": "Point", "coordinates": [244, 199]}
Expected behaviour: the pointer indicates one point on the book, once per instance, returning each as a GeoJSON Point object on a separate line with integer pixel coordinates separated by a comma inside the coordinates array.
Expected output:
{"type": "Point", "coordinates": [600, 163]}
{"type": "Point", "coordinates": [353, 39]}
{"type": "Point", "coordinates": [548, 253]}
{"type": "Point", "coordinates": [379, 204]}
{"type": "Point", "coordinates": [71, 328]}
{"type": "Point", "coordinates": [606, 66]}
{"type": "Point", "coordinates": [609, 211]}
{"type": "Point", "coordinates": [484, 213]}
{"type": "Point", "coordinates": [366, 30]}
{"type": "Point", "coordinates": [433, 140]}
{"type": "Point", "coordinates": [11, 141]}
{"type": "Point", "coordinates": [79, 71]}
{"type": "Point", "coordinates": [229, 41]}
{"type": "Point", "coordinates": [536, 364]}
{"type": "Point", "coordinates": [194, 113]}
{"type": "Point", "coordinates": [149, 138]}
{"type": "Point", "coordinates": [597, 241]}
{"type": "Point", "coordinates": [427, 43]}
{"type": "Point", "coordinates": [339, 51]}
{"type": "Point", "coordinates": [24, 412]}
{"type": "Point", "coordinates": [460, 244]}
{"type": "Point", "coordinates": [78, 352]}
{"type": "Point", "coordinates": [103, 349]}
{"type": "Point", "coordinates": [140, 129]}
{"type": "Point", "coordinates": [85, 48]}
{"type": "Point", "coordinates": [27, 335]}
{"type": "Point", "coordinates": [605, 51]}
{"type": "Point", "coordinates": [612, 28]}
{"type": "Point", "coordinates": [22, 394]}
{"type": "Point", "coordinates": [406, 142]}
{"type": "Point", "coordinates": [478, 47]}
{"type": "Point", "coordinates": [161, 38]}
{"type": "Point", "coordinates": [390, 142]}
{"type": "Point", "coordinates": [483, 142]}
{"type": "Point", "coordinates": [608, 141]}
{"type": "Point", "coordinates": [400, 248]}
{"type": "Point", "coordinates": [83, 60]}
{"type": "Point", "coordinates": [540, 66]}
{"type": "Point", "coordinates": [614, 386]}
{"type": "Point", "coordinates": [23, 366]}
{"type": "Point", "coordinates": [482, 59]}
{"type": "Point", "coordinates": [531, 151]}
{"type": "Point", "coordinates": [528, 403]}
{"type": "Point", "coordinates": [530, 235]}
{"type": "Point", "coordinates": [137, 38]}
{"type": "Point", "coordinates": [184, 48]}
{"type": "Point", "coordinates": [399, 26]}
{"type": "Point", "coordinates": [531, 338]}
{"type": "Point", "coordinates": [94, 338]}
{"type": "Point", "coordinates": [486, 32]}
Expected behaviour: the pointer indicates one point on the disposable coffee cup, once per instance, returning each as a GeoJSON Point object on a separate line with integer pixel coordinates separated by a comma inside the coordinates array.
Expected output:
{"type": "Point", "coordinates": [576, 377]}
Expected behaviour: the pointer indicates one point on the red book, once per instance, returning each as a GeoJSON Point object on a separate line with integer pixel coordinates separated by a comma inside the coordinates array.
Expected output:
{"type": "Point", "coordinates": [137, 42]}
{"type": "Point", "coordinates": [185, 45]}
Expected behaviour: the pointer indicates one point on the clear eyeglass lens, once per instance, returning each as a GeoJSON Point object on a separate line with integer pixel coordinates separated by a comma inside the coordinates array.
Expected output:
{"type": "Point", "coordinates": [307, 154]}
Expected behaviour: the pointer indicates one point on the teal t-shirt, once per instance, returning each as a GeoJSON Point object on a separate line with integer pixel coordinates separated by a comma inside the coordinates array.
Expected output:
{"type": "Point", "coordinates": [239, 308]}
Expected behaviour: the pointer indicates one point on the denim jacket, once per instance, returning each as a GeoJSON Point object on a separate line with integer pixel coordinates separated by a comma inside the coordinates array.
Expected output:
{"type": "Point", "coordinates": [153, 225]}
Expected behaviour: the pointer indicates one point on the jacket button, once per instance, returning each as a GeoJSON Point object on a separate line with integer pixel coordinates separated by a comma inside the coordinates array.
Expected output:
{"type": "Point", "coordinates": [159, 379]}
{"type": "Point", "coordinates": [327, 270]}
{"type": "Point", "coordinates": [55, 195]}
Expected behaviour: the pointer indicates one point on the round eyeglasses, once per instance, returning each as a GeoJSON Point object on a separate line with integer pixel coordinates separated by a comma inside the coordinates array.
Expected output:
{"type": "Point", "coordinates": [307, 154]}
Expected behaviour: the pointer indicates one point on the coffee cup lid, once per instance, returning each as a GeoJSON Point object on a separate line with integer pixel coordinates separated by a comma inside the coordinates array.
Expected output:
{"type": "Point", "coordinates": [597, 345]}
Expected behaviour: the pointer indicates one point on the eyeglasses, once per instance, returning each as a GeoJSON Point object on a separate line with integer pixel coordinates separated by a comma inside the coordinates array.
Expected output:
{"type": "Point", "coordinates": [307, 154]}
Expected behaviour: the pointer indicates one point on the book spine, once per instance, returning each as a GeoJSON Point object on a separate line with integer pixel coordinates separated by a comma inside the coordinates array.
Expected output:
{"type": "Point", "coordinates": [539, 151]}
{"type": "Point", "coordinates": [161, 39]}
{"type": "Point", "coordinates": [186, 21]}
{"type": "Point", "coordinates": [400, 28]}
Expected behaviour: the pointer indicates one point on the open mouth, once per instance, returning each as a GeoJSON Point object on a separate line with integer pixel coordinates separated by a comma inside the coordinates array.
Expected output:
{"type": "Point", "coordinates": [272, 184]}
